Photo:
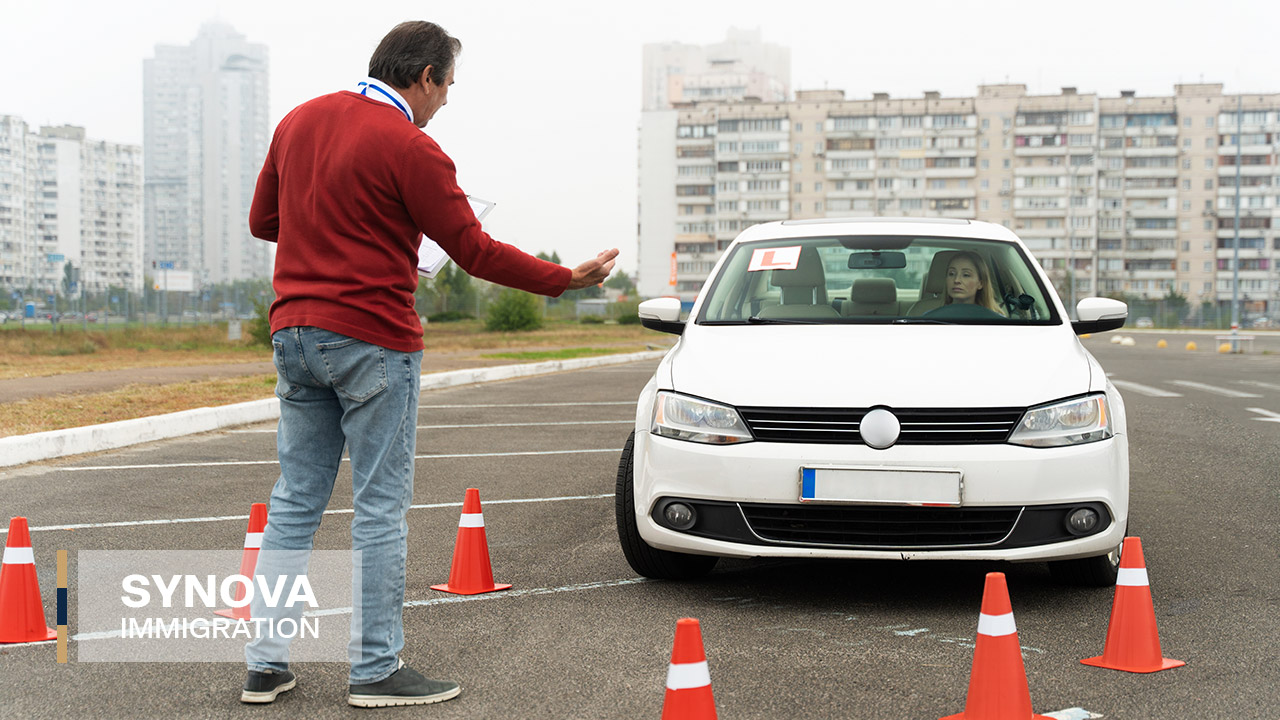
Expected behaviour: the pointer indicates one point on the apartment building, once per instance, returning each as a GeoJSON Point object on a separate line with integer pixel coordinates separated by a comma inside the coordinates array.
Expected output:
{"type": "Point", "coordinates": [65, 198]}
{"type": "Point", "coordinates": [740, 66]}
{"type": "Point", "coordinates": [206, 133]}
{"type": "Point", "coordinates": [1128, 194]}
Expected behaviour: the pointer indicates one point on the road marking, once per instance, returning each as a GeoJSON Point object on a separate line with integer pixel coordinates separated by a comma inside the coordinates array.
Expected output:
{"type": "Point", "coordinates": [1255, 383]}
{"type": "Point", "coordinates": [1225, 392]}
{"type": "Point", "coordinates": [1144, 389]}
{"type": "Point", "coordinates": [482, 425]}
{"type": "Point", "coordinates": [521, 405]}
{"type": "Point", "coordinates": [1269, 416]}
{"type": "Point", "coordinates": [340, 511]}
{"type": "Point", "coordinates": [531, 592]}
{"type": "Point", "coordinates": [223, 463]}
{"type": "Point", "coordinates": [1074, 713]}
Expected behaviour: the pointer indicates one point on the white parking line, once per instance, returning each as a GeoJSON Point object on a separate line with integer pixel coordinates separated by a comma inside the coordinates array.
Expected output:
{"type": "Point", "coordinates": [1256, 383]}
{"type": "Point", "coordinates": [531, 592]}
{"type": "Point", "coordinates": [1225, 392]}
{"type": "Point", "coordinates": [340, 511]}
{"type": "Point", "coordinates": [1144, 389]}
{"type": "Point", "coordinates": [484, 425]}
{"type": "Point", "coordinates": [1074, 713]}
{"type": "Point", "coordinates": [1268, 416]}
{"type": "Point", "coordinates": [223, 463]}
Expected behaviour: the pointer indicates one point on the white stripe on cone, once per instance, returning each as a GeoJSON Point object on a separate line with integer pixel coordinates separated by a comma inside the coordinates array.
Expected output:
{"type": "Point", "coordinates": [252, 541]}
{"type": "Point", "coordinates": [471, 520]}
{"type": "Point", "coordinates": [686, 676]}
{"type": "Point", "coordinates": [19, 556]}
{"type": "Point", "coordinates": [1132, 576]}
{"type": "Point", "coordinates": [996, 625]}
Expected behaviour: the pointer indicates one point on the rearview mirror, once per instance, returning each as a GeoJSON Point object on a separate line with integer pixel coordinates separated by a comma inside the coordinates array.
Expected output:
{"type": "Point", "coordinates": [661, 314]}
{"type": "Point", "coordinates": [878, 260]}
{"type": "Point", "coordinates": [1099, 315]}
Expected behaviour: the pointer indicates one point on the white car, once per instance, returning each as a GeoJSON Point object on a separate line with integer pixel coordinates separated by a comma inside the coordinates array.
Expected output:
{"type": "Point", "coordinates": [866, 389]}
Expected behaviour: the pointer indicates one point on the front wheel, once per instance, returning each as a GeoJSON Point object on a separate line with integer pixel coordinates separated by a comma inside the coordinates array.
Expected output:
{"type": "Point", "coordinates": [643, 558]}
{"type": "Point", "coordinates": [1097, 571]}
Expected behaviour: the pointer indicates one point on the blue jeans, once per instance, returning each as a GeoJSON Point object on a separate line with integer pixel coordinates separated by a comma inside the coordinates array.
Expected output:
{"type": "Point", "coordinates": [337, 390]}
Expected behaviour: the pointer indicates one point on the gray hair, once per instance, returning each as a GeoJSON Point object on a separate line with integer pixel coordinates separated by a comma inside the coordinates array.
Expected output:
{"type": "Point", "coordinates": [409, 48]}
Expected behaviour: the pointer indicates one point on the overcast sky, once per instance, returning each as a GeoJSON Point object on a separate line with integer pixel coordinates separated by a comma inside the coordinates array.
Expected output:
{"type": "Point", "coordinates": [543, 116]}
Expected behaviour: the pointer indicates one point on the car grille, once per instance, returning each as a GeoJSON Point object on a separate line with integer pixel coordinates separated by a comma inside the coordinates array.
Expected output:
{"type": "Point", "coordinates": [920, 426]}
{"type": "Point", "coordinates": [879, 526]}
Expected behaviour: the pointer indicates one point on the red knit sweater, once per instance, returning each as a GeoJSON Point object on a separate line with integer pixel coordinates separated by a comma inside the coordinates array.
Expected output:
{"type": "Point", "coordinates": [347, 186]}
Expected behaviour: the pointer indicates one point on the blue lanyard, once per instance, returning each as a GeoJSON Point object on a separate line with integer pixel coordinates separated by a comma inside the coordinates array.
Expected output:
{"type": "Point", "coordinates": [367, 87]}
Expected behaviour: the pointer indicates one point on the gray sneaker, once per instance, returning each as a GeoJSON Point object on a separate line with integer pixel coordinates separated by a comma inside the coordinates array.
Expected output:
{"type": "Point", "coordinates": [405, 686]}
{"type": "Point", "coordinates": [263, 687]}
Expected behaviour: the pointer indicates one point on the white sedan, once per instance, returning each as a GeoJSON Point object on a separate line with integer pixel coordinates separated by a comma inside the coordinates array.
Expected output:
{"type": "Point", "coordinates": [877, 388]}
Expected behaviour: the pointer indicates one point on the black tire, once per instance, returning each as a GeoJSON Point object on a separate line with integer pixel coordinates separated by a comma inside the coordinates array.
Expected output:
{"type": "Point", "coordinates": [1097, 571]}
{"type": "Point", "coordinates": [644, 559]}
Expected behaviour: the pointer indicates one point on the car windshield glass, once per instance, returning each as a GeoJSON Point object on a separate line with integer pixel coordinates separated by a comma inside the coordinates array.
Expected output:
{"type": "Point", "coordinates": [892, 279]}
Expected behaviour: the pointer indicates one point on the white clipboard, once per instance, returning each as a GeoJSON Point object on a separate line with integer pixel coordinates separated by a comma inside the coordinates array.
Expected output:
{"type": "Point", "coordinates": [432, 257]}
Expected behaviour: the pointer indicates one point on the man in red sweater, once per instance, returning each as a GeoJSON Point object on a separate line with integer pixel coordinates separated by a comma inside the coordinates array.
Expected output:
{"type": "Point", "coordinates": [349, 185]}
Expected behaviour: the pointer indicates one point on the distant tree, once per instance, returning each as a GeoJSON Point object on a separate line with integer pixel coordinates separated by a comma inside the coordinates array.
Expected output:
{"type": "Point", "coordinates": [621, 281]}
{"type": "Point", "coordinates": [514, 310]}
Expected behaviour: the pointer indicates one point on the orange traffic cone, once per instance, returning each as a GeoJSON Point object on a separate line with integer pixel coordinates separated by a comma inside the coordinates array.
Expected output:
{"type": "Point", "coordinates": [249, 560]}
{"type": "Point", "coordinates": [21, 612]}
{"type": "Point", "coordinates": [1133, 644]}
{"type": "Point", "coordinates": [998, 681]}
{"type": "Point", "coordinates": [688, 679]}
{"type": "Point", "coordinates": [471, 573]}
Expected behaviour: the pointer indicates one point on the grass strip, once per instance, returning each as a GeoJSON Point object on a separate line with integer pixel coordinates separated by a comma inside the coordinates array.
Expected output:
{"type": "Point", "coordinates": [129, 402]}
{"type": "Point", "coordinates": [562, 353]}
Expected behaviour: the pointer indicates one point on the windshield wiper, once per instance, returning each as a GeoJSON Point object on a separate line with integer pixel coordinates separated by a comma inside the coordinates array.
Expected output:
{"type": "Point", "coordinates": [756, 319]}
{"type": "Point", "coordinates": [921, 321]}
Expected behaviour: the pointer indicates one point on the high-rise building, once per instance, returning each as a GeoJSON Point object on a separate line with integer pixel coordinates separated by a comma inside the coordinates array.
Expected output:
{"type": "Point", "coordinates": [206, 133]}
{"type": "Point", "coordinates": [741, 66]}
{"type": "Point", "coordinates": [1132, 195]}
{"type": "Point", "coordinates": [66, 199]}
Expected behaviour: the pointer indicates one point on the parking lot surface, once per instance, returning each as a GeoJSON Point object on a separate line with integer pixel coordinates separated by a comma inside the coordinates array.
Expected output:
{"type": "Point", "coordinates": [581, 636]}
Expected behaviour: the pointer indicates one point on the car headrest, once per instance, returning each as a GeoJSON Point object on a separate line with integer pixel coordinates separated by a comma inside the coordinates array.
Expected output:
{"type": "Point", "coordinates": [936, 282]}
{"type": "Point", "coordinates": [808, 272]}
{"type": "Point", "coordinates": [874, 291]}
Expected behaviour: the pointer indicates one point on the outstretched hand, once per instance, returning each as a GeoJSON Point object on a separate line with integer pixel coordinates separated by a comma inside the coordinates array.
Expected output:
{"type": "Point", "coordinates": [593, 272]}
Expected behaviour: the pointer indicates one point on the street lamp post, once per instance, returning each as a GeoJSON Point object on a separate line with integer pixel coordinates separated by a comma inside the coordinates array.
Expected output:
{"type": "Point", "coordinates": [1235, 253]}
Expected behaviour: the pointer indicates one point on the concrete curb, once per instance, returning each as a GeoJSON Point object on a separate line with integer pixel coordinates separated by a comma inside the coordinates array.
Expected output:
{"type": "Point", "coordinates": [22, 449]}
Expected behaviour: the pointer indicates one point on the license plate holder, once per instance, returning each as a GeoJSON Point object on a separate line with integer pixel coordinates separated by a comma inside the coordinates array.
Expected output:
{"type": "Point", "coordinates": [925, 487]}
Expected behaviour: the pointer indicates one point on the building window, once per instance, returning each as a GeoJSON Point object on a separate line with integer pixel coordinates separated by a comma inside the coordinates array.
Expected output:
{"type": "Point", "coordinates": [1208, 184]}
{"type": "Point", "coordinates": [817, 187]}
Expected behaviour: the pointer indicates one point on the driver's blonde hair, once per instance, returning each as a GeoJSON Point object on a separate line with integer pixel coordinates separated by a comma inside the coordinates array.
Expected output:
{"type": "Point", "coordinates": [986, 295]}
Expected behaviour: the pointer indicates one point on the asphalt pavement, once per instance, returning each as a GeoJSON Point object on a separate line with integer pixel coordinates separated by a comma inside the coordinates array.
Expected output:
{"type": "Point", "coordinates": [581, 636]}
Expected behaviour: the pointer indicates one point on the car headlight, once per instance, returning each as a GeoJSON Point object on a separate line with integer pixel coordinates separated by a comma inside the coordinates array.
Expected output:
{"type": "Point", "coordinates": [1073, 422]}
{"type": "Point", "coordinates": [686, 418]}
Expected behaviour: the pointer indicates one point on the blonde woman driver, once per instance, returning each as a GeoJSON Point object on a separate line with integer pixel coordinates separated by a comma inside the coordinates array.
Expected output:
{"type": "Point", "coordinates": [969, 282]}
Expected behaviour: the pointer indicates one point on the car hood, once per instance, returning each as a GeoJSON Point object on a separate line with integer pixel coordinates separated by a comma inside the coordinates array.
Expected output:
{"type": "Point", "coordinates": [868, 365]}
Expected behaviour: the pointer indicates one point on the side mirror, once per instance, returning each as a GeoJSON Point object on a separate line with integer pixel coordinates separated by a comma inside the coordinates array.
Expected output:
{"type": "Point", "coordinates": [1099, 315]}
{"type": "Point", "coordinates": [662, 314]}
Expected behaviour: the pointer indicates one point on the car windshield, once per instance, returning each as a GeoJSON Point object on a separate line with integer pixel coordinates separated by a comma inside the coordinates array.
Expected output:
{"type": "Point", "coordinates": [890, 279]}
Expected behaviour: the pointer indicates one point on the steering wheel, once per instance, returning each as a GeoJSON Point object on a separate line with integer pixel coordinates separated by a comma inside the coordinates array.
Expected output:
{"type": "Point", "coordinates": [963, 311]}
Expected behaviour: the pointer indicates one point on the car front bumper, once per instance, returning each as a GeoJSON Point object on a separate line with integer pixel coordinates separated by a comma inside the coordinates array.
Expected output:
{"type": "Point", "coordinates": [1024, 486]}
